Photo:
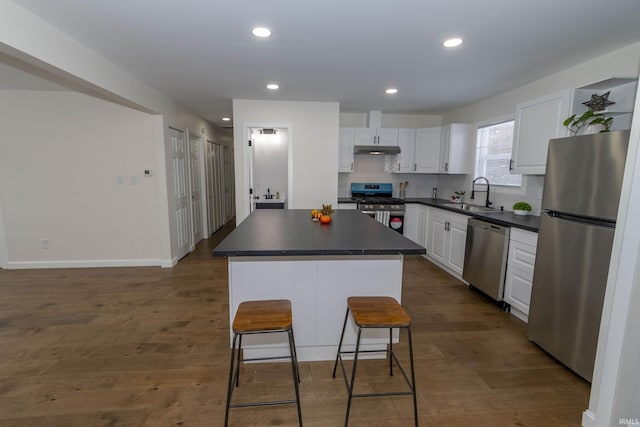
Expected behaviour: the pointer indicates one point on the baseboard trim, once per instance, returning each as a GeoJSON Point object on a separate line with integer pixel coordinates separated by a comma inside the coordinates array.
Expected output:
{"type": "Point", "coordinates": [169, 263]}
{"type": "Point", "coordinates": [89, 263]}
{"type": "Point", "coordinates": [588, 419]}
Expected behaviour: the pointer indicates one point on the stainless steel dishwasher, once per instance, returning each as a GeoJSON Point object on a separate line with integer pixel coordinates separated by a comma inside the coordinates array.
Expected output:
{"type": "Point", "coordinates": [485, 257]}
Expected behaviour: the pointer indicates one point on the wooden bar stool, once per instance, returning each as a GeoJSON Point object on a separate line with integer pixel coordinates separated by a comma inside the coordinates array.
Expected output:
{"type": "Point", "coordinates": [262, 317]}
{"type": "Point", "coordinates": [377, 312]}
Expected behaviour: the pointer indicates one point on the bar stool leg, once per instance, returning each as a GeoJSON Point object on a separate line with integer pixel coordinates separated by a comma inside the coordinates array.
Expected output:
{"type": "Point", "coordinates": [413, 378]}
{"type": "Point", "coordinates": [239, 360]}
{"type": "Point", "coordinates": [295, 354]}
{"type": "Point", "coordinates": [353, 376]}
{"type": "Point", "coordinates": [296, 374]}
{"type": "Point", "coordinates": [230, 387]}
{"type": "Point", "coordinates": [391, 352]}
{"type": "Point", "coordinates": [344, 326]}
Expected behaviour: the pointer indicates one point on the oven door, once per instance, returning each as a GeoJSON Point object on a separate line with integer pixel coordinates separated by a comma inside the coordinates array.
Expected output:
{"type": "Point", "coordinates": [396, 221]}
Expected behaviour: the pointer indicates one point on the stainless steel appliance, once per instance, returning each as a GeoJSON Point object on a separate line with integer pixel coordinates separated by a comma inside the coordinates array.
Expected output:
{"type": "Point", "coordinates": [375, 200]}
{"type": "Point", "coordinates": [580, 206]}
{"type": "Point", "coordinates": [485, 257]}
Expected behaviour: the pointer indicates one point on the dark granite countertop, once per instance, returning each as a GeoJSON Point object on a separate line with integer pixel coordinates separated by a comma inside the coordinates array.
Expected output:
{"type": "Point", "coordinates": [346, 200]}
{"type": "Point", "coordinates": [506, 218]}
{"type": "Point", "coordinates": [292, 232]}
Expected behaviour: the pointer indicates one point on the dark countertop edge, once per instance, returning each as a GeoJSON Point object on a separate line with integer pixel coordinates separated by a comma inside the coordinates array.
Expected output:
{"type": "Point", "coordinates": [308, 252]}
{"type": "Point", "coordinates": [487, 216]}
{"type": "Point", "coordinates": [346, 200]}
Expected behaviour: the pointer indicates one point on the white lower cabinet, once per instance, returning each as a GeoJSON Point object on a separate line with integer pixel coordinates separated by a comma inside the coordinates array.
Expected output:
{"type": "Point", "coordinates": [414, 223]}
{"type": "Point", "coordinates": [446, 238]}
{"type": "Point", "coordinates": [520, 265]}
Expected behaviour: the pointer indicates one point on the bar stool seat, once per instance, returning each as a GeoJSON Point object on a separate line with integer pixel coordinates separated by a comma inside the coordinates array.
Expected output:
{"type": "Point", "coordinates": [380, 313]}
{"type": "Point", "coordinates": [262, 317]}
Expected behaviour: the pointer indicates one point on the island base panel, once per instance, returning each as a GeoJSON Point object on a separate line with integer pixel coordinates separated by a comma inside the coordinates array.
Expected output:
{"type": "Point", "coordinates": [318, 288]}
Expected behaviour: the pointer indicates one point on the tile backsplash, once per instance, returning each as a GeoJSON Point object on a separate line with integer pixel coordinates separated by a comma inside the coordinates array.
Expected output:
{"type": "Point", "coordinates": [369, 168]}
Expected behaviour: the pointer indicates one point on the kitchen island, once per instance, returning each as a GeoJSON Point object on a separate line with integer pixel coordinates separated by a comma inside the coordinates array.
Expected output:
{"type": "Point", "coordinates": [275, 254]}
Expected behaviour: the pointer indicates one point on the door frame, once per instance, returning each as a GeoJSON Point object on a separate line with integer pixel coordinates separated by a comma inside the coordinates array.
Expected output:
{"type": "Point", "coordinates": [246, 132]}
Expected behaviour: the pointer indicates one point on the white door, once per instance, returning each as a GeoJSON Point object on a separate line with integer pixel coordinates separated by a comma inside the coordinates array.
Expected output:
{"type": "Point", "coordinates": [212, 204]}
{"type": "Point", "coordinates": [196, 190]}
{"type": "Point", "coordinates": [252, 200]}
{"type": "Point", "coordinates": [180, 184]}
{"type": "Point", "coordinates": [229, 183]}
{"type": "Point", "coordinates": [438, 237]}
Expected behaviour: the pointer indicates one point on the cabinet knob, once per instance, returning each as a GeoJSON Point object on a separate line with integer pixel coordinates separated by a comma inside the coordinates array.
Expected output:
{"type": "Point", "coordinates": [511, 164]}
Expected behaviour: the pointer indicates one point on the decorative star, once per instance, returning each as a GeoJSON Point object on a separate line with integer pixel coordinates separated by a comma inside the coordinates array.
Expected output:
{"type": "Point", "coordinates": [598, 102]}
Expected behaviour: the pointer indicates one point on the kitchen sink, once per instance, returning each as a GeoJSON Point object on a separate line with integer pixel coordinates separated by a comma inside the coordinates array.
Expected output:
{"type": "Point", "coordinates": [468, 208]}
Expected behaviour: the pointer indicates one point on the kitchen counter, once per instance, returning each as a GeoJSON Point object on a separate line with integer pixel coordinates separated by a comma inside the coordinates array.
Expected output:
{"type": "Point", "coordinates": [505, 218]}
{"type": "Point", "coordinates": [292, 233]}
{"type": "Point", "coordinates": [275, 254]}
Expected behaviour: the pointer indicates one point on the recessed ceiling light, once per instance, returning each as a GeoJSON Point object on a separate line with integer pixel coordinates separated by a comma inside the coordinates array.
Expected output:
{"type": "Point", "coordinates": [391, 91]}
{"type": "Point", "coordinates": [273, 86]}
{"type": "Point", "coordinates": [261, 32]}
{"type": "Point", "coordinates": [226, 119]}
{"type": "Point", "coordinates": [455, 42]}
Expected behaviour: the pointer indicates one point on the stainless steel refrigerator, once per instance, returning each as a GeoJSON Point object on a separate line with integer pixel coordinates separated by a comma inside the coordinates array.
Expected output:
{"type": "Point", "coordinates": [579, 209]}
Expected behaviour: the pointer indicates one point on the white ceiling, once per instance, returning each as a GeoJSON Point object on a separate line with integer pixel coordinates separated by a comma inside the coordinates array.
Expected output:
{"type": "Point", "coordinates": [202, 53]}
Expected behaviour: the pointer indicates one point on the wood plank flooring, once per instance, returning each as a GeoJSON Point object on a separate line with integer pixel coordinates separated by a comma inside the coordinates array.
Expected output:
{"type": "Point", "coordinates": [150, 347]}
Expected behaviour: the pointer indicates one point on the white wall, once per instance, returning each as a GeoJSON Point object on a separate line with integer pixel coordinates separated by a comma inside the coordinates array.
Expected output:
{"type": "Point", "coordinates": [60, 159]}
{"type": "Point", "coordinates": [360, 120]}
{"type": "Point", "coordinates": [619, 63]}
{"type": "Point", "coordinates": [29, 40]}
{"type": "Point", "coordinates": [314, 143]}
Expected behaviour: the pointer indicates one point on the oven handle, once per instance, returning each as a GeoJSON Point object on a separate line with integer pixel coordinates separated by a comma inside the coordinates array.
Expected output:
{"type": "Point", "coordinates": [393, 213]}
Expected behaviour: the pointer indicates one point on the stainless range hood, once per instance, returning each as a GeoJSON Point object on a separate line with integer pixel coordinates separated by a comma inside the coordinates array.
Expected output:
{"type": "Point", "coordinates": [375, 149]}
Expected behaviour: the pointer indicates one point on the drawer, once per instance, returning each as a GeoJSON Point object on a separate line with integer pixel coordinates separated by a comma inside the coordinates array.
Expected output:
{"type": "Point", "coordinates": [522, 256]}
{"type": "Point", "coordinates": [523, 236]}
{"type": "Point", "coordinates": [517, 288]}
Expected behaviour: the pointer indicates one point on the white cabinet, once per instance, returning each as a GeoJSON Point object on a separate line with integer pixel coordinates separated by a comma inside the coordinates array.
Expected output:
{"type": "Point", "coordinates": [407, 143]}
{"type": "Point", "coordinates": [537, 121]}
{"type": "Point", "coordinates": [345, 154]}
{"type": "Point", "coordinates": [376, 136]}
{"type": "Point", "coordinates": [446, 239]}
{"type": "Point", "coordinates": [427, 153]}
{"type": "Point", "coordinates": [414, 223]}
{"type": "Point", "coordinates": [519, 277]}
{"type": "Point", "coordinates": [456, 148]}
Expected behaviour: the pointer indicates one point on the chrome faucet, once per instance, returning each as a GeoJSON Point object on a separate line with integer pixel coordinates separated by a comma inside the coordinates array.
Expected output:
{"type": "Point", "coordinates": [487, 203]}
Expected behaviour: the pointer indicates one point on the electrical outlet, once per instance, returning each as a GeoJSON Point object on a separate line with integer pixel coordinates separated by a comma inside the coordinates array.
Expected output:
{"type": "Point", "coordinates": [45, 243]}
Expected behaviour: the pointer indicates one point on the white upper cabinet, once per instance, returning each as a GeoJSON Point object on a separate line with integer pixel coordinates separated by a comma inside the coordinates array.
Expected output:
{"type": "Point", "coordinates": [407, 143]}
{"type": "Point", "coordinates": [537, 121]}
{"type": "Point", "coordinates": [345, 154]}
{"type": "Point", "coordinates": [427, 153]}
{"type": "Point", "coordinates": [387, 137]}
{"type": "Point", "coordinates": [456, 148]}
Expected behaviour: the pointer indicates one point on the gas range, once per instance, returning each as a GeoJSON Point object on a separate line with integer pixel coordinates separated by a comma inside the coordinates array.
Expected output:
{"type": "Point", "coordinates": [376, 197]}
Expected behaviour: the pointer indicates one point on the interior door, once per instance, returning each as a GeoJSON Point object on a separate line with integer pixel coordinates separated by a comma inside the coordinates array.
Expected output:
{"type": "Point", "coordinates": [211, 187]}
{"type": "Point", "coordinates": [180, 180]}
{"type": "Point", "coordinates": [252, 200]}
{"type": "Point", "coordinates": [196, 190]}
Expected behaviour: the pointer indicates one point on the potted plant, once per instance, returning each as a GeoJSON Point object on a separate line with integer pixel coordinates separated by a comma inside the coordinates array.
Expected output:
{"type": "Point", "coordinates": [521, 208]}
{"type": "Point", "coordinates": [457, 196]}
{"type": "Point", "coordinates": [575, 123]}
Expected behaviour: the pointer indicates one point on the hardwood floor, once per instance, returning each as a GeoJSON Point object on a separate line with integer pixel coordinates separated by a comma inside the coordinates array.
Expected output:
{"type": "Point", "coordinates": [150, 347]}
